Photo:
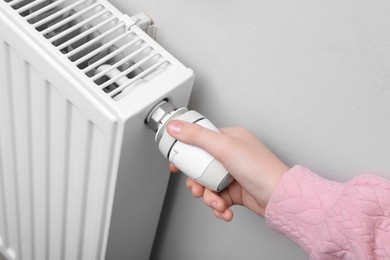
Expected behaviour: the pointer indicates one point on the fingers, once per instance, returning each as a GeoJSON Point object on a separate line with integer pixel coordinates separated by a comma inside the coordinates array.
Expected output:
{"type": "Point", "coordinates": [210, 198]}
{"type": "Point", "coordinates": [173, 168]}
{"type": "Point", "coordinates": [214, 201]}
{"type": "Point", "coordinates": [227, 215]}
{"type": "Point", "coordinates": [195, 188]}
{"type": "Point", "coordinates": [217, 203]}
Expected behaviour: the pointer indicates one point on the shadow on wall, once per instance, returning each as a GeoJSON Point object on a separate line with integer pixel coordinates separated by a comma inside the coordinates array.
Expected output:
{"type": "Point", "coordinates": [166, 213]}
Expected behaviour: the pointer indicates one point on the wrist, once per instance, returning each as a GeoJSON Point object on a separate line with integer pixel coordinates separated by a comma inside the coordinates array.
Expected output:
{"type": "Point", "coordinates": [275, 175]}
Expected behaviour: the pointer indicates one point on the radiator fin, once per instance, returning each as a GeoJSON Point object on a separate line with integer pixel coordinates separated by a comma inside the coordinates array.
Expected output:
{"type": "Point", "coordinates": [96, 41]}
{"type": "Point", "coordinates": [54, 175]}
{"type": "Point", "coordinates": [77, 79]}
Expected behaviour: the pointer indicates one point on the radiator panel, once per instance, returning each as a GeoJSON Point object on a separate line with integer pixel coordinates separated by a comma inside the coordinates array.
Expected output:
{"type": "Point", "coordinates": [80, 174]}
{"type": "Point", "coordinates": [56, 164]}
{"type": "Point", "coordinates": [91, 33]}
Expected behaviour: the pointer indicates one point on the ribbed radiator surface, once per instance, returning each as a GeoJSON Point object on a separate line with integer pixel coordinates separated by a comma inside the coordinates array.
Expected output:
{"type": "Point", "coordinates": [47, 178]}
{"type": "Point", "coordinates": [80, 174]}
{"type": "Point", "coordinates": [55, 161]}
{"type": "Point", "coordinates": [90, 34]}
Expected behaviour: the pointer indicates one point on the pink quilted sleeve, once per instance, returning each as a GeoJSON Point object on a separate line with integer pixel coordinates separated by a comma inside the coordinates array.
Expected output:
{"type": "Point", "coordinates": [331, 220]}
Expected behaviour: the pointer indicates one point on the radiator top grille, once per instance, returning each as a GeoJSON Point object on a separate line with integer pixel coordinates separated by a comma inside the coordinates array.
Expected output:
{"type": "Point", "coordinates": [100, 44]}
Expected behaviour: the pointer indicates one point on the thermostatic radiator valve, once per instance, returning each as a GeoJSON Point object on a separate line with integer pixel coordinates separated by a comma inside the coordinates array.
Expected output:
{"type": "Point", "coordinates": [192, 161]}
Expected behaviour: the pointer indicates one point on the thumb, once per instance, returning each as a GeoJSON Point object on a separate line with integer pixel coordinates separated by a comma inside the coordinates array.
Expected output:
{"type": "Point", "coordinates": [193, 134]}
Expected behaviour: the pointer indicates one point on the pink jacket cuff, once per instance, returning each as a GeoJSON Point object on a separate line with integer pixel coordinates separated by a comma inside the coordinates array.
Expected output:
{"type": "Point", "coordinates": [331, 220]}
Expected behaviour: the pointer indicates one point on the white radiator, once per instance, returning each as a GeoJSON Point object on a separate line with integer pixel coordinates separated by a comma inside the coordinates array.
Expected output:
{"type": "Point", "coordinates": [80, 174]}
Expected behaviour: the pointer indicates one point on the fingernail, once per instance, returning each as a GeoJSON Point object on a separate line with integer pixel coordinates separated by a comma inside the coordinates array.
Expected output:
{"type": "Point", "coordinates": [189, 187]}
{"type": "Point", "coordinates": [226, 216]}
{"type": "Point", "coordinates": [175, 127]}
{"type": "Point", "coordinates": [218, 216]}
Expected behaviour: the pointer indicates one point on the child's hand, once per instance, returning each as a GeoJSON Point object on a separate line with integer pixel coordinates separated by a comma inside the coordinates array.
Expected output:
{"type": "Point", "coordinates": [255, 168]}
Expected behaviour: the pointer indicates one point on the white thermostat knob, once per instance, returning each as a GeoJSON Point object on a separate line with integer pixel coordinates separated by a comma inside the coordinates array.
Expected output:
{"type": "Point", "coordinates": [192, 161]}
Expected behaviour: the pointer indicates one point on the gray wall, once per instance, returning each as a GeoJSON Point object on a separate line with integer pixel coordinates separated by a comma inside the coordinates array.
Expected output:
{"type": "Point", "coordinates": [310, 78]}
